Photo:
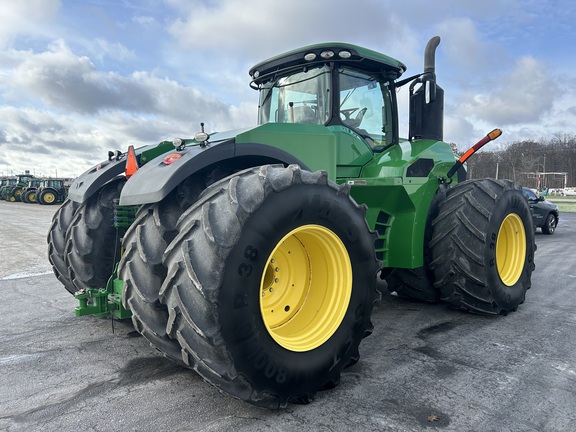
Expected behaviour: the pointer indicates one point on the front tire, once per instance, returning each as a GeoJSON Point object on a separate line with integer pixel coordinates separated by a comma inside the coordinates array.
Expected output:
{"type": "Point", "coordinates": [30, 197]}
{"type": "Point", "coordinates": [483, 246]}
{"type": "Point", "coordinates": [142, 268]}
{"type": "Point", "coordinates": [57, 243]}
{"type": "Point", "coordinates": [271, 283]}
{"type": "Point", "coordinates": [549, 224]}
{"type": "Point", "coordinates": [93, 243]}
{"type": "Point", "coordinates": [47, 197]}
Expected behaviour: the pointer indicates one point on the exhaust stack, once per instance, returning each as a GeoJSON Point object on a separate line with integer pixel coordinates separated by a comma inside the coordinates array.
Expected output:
{"type": "Point", "coordinates": [427, 99]}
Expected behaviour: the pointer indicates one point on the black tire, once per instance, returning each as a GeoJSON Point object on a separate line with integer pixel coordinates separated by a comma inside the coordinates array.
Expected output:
{"type": "Point", "coordinates": [413, 284]}
{"type": "Point", "coordinates": [221, 260]}
{"type": "Point", "coordinates": [14, 195]}
{"type": "Point", "coordinates": [549, 224]}
{"type": "Point", "coordinates": [48, 197]}
{"type": "Point", "coordinates": [30, 197]}
{"type": "Point", "coordinates": [57, 243]}
{"type": "Point", "coordinates": [142, 269]}
{"type": "Point", "coordinates": [93, 243]}
{"type": "Point", "coordinates": [476, 269]}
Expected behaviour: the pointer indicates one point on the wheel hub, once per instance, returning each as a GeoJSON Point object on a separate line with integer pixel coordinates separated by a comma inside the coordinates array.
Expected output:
{"type": "Point", "coordinates": [511, 249]}
{"type": "Point", "coordinates": [306, 287]}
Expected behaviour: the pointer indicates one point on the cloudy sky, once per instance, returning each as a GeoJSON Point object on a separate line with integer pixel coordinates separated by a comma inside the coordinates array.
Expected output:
{"type": "Point", "coordinates": [80, 77]}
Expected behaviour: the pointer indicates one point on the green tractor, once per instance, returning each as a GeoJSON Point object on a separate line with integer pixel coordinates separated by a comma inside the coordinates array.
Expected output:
{"type": "Point", "coordinates": [252, 256]}
{"type": "Point", "coordinates": [28, 193]}
{"type": "Point", "coordinates": [52, 191]}
{"type": "Point", "coordinates": [6, 184]}
{"type": "Point", "coordinates": [14, 192]}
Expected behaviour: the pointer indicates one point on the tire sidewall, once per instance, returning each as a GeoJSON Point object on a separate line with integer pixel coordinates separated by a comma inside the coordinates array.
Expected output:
{"type": "Point", "coordinates": [255, 354]}
{"type": "Point", "coordinates": [510, 202]}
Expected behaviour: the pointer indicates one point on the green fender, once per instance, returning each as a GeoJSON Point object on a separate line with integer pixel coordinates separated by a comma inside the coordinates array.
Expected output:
{"type": "Point", "coordinates": [153, 181]}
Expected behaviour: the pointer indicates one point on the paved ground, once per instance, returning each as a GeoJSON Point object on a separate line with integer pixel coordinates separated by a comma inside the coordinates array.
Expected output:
{"type": "Point", "coordinates": [426, 367]}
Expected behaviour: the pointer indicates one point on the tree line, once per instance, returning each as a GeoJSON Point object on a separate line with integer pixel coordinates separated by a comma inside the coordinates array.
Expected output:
{"type": "Point", "coordinates": [535, 164]}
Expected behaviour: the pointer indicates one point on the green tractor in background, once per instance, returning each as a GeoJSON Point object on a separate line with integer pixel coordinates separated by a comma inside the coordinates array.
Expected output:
{"type": "Point", "coordinates": [252, 256]}
{"type": "Point", "coordinates": [12, 193]}
{"type": "Point", "coordinates": [52, 191]}
{"type": "Point", "coordinates": [28, 193]}
{"type": "Point", "coordinates": [6, 183]}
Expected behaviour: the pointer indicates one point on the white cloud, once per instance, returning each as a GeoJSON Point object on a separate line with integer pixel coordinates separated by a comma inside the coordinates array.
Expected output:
{"type": "Point", "coordinates": [102, 48]}
{"type": "Point", "coordinates": [523, 96]}
{"type": "Point", "coordinates": [260, 29]}
{"type": "Point", "coordinates": [67, 82]}
{"type": "Point", "coordinates": [25, 17]}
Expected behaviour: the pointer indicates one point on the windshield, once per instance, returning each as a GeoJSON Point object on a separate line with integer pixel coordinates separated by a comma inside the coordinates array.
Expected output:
{"type": "Point", "coordinates": [303, 97]}
{"type": "Point", "coordinates": [366, 106]}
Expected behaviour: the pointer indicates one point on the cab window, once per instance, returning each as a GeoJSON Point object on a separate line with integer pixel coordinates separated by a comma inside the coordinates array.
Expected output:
{"type": "Point", "coordinates": [365, 105]}
{"type": "Point", "coordinates": [302, 97]}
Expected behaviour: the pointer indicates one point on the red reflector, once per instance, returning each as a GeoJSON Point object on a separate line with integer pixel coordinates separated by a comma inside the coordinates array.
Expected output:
{"type": "Point", "coordinates": [171, 158]}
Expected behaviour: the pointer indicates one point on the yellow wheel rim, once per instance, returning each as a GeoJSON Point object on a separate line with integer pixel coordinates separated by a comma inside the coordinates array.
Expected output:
{"type": "Point", "coordinates": [511, 249]}
{"type": "Point", "coordinates": [49, 198]}
{"type": "Point", "coordinates": [306, 288]}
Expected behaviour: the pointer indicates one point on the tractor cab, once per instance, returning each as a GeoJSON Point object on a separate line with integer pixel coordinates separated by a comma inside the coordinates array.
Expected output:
{"type": "Point", "coordinates": [6, 186]}
{"type": "Point", "coordinates": [23, 179]}
{"type": "Point", "coordinates": [347, 88]}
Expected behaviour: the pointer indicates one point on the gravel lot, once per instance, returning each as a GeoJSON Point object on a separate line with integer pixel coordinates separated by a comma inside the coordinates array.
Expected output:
{"type": "Point", "coordinates": [426, 367]}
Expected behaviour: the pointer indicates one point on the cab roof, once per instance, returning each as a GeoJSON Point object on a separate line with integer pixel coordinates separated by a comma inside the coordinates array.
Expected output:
{"type": "Point", "coordinates": [343, 53]}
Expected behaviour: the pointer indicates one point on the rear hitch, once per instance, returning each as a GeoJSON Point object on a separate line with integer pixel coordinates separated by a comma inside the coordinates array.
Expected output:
{"type": "Point", "coordinates": [102, 302]}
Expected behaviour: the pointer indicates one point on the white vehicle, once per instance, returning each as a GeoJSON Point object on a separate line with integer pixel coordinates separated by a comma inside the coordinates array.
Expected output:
{"type": "Point", "coordinates": [569, 192]}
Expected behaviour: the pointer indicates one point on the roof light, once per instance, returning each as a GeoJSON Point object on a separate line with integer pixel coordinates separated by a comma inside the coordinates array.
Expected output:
{"type": "Point", "coordinates": [309, 56]}
{"type": "Point", "coordinates": [177, 142]}
{"type": "Point", "coordinates": [345, 54]}
{"type": "Point", "coordinates": [327, 54]}
{"type": "Point", "coordinates": [201, 137]}
{"type": "Point", "coordinates": [256, 74]}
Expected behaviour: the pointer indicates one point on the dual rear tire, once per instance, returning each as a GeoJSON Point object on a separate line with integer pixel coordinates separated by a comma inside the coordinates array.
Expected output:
{"type": "Point", "coordinates": [479, 254]}
{"type": "Point", "coordinates": [83, 244]}
{"type": "Point", "coordinates": [265, 285]}
{"type": "Point", "coordinates": [483, 247]}
{"type": "Point", "coordinates": [269, 283]}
